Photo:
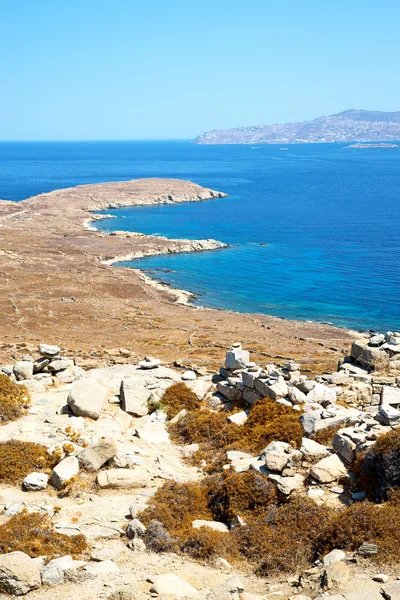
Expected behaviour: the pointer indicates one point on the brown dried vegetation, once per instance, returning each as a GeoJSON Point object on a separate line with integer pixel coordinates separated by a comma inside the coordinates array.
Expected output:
{"type": "Point", "coordinates": [34, 534]}
{"type": "Point", "coordinates": [325, 436]}
{"type": "Point", "coordinates": [14, 400]}
{"type": "Point", "coordinates": [18, 459]}
{"type": "Point", "coordinates": [178, 397]}
{"type": "Point", "coordinates": [379, 468]}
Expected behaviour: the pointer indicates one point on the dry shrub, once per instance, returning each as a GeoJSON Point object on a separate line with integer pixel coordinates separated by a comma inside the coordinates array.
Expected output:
{"type": "Point", "coordinates": [18, 459]}
{"type": "Point", "coordinates": [269, 421]}
{"type": "Point", "coordinates": [178, 397]}
{"type": "Point", "coordinates": [206, 544]}
{"type": "Point", "coordinates": [366, 522]}
{"type": "Point", "coordinates": [157, 538]}
{"type": "Point", "coordinates": [325, 436]}
{"type": "Point", "coordinates": [34, 534]}
{"type": "Point", "coordinates": [285, 539]}
{"type": "Point", "coordinates": [14, 399]}
{"type": "Point", "coordinates": [379, 469]}
{"type": "Point", "coordinates": [176, 505]}
{"type": "Point", "coordinates": [205, 427]}
{"type": "Point", "coordinates": [247, 494]}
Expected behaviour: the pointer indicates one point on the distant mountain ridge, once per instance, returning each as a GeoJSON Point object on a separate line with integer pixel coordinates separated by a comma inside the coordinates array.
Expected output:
{"type": "Point", "coordinates": [354, 125]}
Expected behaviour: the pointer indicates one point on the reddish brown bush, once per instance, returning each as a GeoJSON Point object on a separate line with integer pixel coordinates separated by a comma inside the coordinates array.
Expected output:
{"type": "Point", "coordinates": [178, 397]}
{"type": "Point", "coordinates": [14, 399]}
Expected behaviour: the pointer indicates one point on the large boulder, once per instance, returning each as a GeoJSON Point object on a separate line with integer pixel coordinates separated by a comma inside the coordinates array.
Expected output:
{"type": "Point", "coordinates": [369, 357]}
{"type": "Point", "coordinates": [59, 570]}
{"type": "Point", "coordinates": [328, 469]}
{"type": "Point", "coordinates": [23, 369]}
{"type": "Point", "coordinates": [93, 458]}
{"type": "Point", "coordinates": [134, 396]}
{"type": "Point", "coordinates": [86, 398]}
{"type": "Point", "coordinates": [237, 358]}
{"type": "Point", "coordinates": [19, 573]}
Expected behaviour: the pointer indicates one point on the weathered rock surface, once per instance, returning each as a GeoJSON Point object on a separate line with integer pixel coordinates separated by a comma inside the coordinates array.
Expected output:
{"type": "Point", "coordinates": [87, 398]}
{"type": "Point", "coordinates": [19, 574]}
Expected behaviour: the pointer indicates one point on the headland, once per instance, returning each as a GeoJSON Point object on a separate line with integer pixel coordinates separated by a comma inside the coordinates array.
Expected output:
{"type": "Point", "coordinates": [58, 282]}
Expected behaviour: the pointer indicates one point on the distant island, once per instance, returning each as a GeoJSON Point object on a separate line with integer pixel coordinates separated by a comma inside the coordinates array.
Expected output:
{"type": "Point", "coordinates": [377, 145]}
{"type": "Point", "coordinates": [348, 126]}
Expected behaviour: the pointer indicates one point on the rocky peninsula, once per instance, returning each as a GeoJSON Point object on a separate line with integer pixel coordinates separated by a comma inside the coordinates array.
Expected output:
{"type": "Point", "coordinates": [57, 281]}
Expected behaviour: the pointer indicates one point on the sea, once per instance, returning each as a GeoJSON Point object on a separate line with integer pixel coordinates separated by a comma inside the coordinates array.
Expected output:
{"type": "Point", "coordinates": [313, 229]}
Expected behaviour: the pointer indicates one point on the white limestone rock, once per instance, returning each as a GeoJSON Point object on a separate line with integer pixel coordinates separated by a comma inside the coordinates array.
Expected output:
{"type": "Point", "coordinates": [123, 479]}
{"type": "Point", "coordinates": [19, 573]}
{"type": "Point", "coordinates": [94, 457]}
{"type": "Point", "coordinates": [23, 369]}
{"type": "Point", "coordinates": [169, 584]}
{"type": "Point", "coordinates": [134, 396]}
{"type": "Point", "coordinates": [64, 471]}
{"type": "Point", "coordinates": [286, 485]}
{"type": "Point", "coordinates": [35, 482]}
{"type": "Point", "coordinates": [237, 358]}
{"type": "Point", "coordinates": [86, 398]}
{"type": "Point", "coordinates": [328, 469]}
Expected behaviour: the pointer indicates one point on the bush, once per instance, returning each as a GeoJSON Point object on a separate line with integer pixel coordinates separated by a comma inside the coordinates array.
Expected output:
{"type": "Point", "coordinates": [18, 459]}
{"type": "Point", "coordinates": [247, 494]}
{"type": "Point", "coordinates": [365, 522]}
{"type": "Point", "coordinates": [178, 397]}
{"type": "Point", "coordinates": [379, 470]}
{"type": "Point", "coordinates": [205, 427]}
{"type": "Point", "coordinates": [14, 399]}
{"type": "Point", "coordinates": [157, 538]}
{"type": "Point", "coordinates": [34, 534]}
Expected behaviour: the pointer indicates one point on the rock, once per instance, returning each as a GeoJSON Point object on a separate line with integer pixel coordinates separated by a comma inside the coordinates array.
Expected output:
{"type": "Point", "coordinates": [223, 564]}
{"type": "Point", "coordinates": [150, 363]}
{"type": "Point", "coordinates": [19, 573]}
{"type": "Point", "coordinates": [296, 396]}
{"type": "Point", "coordinates": [123, 479]}
{"type": "Point", "coordinates": [23, 369]}
{"type": "Point", "coordinates": [382, 578]}
{"type": "Point", "coordinates": [227, 590]}
{"type": "Point", "coordinates": [59, 570]}
{"type": "Point", "coordinates": [333, 557]}
{"type": "Point", "coordinates": [93, 458]}
{"type": "Point", "coordinates": [322, 394]}
{"type": "Point", "coordinates": [40, 364]}
{"type": "Point", "coordinates": [368, 593]}
{"type": "Point", "coordinates": [237, 358]}
{"type": "Point", "coordinates": [391, 591]}
{"type": "Point", "coordinates": [278, 389]}
{"type": "Point", "coordinates": [238, 418]}
{"type": "Point", "coordinates": [35, 481]}
{"type": "Point", "coordinates": [109, 550]}
{"type": "Point", "coordinates": [214, 525]}
{"type": "Point", "coordinates": [86, 398]}
{"type": "Point", "coordinates": [286, 485]}
{"type": "Point", "coordinates": [250, 396]}
{"type": "Point", "coordinates": [64, 471]}
{"type": "Point", "coordinates": [366, 549]}
{"type": "Point", "coordinates": [134, 396]}
{"type": "Point", "coordinates": [94, 569]}
{"type": "Point", "coordinates": [328, 469]}
{"type": "Point", "coordinates": [59, 365]}
{"type": "Point", "coordinates": [390, 395]}
{"type": "Point", "coordinates": [388, 415]}
{"type": "Point", "coordinates": [344, 447]}
{"type": "Point", "coordinates": [276, 461]}
{"type": "Point", "coordinates": [377, 340]}
{"type": "Point", "coordinates": [200, 387]}
{"type": "Point", "coordinates": [368, 357]}
{"type": "Point", "coordinates": [122, 594]}
{"type": "Point", "coordinates": [189, 376]}
{"type": "Point", "coordinates": [49, 351]}
{"type": "Point", "coordinates": [311, 449]}
{"type": "Point", "coordinates": [335, 575]}
{"type": "Point", "coordinates": [135, 529]}
{"type": "Point", "coordinates": [170, 584]}
{"type": "Point", "coordinates": [230, 392]}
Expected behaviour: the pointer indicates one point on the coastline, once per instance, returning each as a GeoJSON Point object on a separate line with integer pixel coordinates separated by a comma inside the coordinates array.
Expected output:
{"type": "Point", "coordinates": [61, 285]}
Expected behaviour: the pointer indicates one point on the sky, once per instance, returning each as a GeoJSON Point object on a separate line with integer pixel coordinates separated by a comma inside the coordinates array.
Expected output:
{"type": "Point", "coordinates": [155, 69]}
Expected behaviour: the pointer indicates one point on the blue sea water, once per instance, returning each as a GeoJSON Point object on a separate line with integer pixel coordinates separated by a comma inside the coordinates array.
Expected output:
{"type": "Point", "coordinates": [314, 230]}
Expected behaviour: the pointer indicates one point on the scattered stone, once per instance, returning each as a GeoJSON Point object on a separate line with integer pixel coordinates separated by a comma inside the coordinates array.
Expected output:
{"type": "Point", "coordinates": [86, 398]}
{"type": "Point", "coordinates": [189, 376]}
{"type": "Point", "coordinates": [134, 397]}
{"type": "Point", "coordinates": [322, 394]}
{"type": "Point", "coordinates": [335, 575]}
{"type": "Point", "coordinates": [367, 549]}
{"type": "Point", "coordinates": [328, 469]}
{"type": "Point", "coordinates": [93, 458]}
{"type": "Point", "coordinates": [150, 363]}
{"type": "Point", "coordinates": [333, 557]}
{"type": "Point", "coordinates": [35, 482]}
{"type": "Point", "coordinates": [276, 461]}
{"type": "Point", "coordinates": [23, 369]}
{"type": "Point", "coordinates": [135, 529]}
{"type": "Point", "coordinates": [94, 569]}
{"type": "Point", "coordinates": [238, 418]}
{"type": "Point", "coordinates": [214, 525]}
{"type": "Point", "coordinates": [64, 472]}
{"type": "Point", "coordinates": [59, 570]}
{"type": "Point", "coordinates": [123, 478]}
{"type": "Point", "coordinates": [311, 449]}
{"type": "Point", "coordinates": [286, 485]}
{"type": "Point", "coordinates": [49, 351]}
{"type": "Point", "coordinates": [382, 578]}
{"type": "Point", "coordinates": [170, 584]}
{"type": "Point", "coordinates": [19, 573]}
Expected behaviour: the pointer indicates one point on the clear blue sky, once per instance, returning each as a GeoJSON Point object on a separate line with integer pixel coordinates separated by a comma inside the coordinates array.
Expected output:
{"type": "Point", "coordinates": [133, 69]}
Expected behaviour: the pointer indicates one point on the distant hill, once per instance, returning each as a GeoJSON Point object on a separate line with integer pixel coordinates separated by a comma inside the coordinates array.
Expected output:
{"type": "Point", "coordinates": [348, 126]}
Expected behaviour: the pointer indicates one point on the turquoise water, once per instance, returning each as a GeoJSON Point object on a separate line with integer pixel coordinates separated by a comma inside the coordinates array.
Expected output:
{"type": "Point", "coordinates": [314, 230]}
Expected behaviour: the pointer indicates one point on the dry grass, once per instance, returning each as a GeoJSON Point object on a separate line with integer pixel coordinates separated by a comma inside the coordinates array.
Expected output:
{"type": "Point", "coordinates": [34, 534]}
{"type": "Point", "coordinates": [325, 436]}
{"type": "Point", "coordinates": [178, 397]}
{"type": "Point", "coordinates": [14, 400]}
{"type": "Point", "coordinates": [18, 459]}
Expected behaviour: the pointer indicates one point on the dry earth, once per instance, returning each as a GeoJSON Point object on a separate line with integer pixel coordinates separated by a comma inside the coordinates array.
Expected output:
{"type": "Point", "coordinates": [55, 286]}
